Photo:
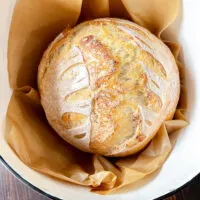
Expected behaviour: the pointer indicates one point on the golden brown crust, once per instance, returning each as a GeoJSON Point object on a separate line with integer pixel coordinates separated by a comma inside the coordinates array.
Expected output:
{"type": "Point", "coordinates": [103, 86]}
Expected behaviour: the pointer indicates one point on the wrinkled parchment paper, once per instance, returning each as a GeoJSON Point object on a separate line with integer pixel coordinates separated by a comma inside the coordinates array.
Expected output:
{"type": "Point", "coordinates": [34, 26]}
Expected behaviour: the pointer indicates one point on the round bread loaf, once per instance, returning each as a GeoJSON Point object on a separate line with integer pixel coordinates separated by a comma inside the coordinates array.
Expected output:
{"type": "Point", "coordinates": [107, 85]}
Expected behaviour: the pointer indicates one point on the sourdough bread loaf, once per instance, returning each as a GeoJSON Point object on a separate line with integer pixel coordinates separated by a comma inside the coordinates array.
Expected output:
{"type": "Point", "coordinates": [107, 85]}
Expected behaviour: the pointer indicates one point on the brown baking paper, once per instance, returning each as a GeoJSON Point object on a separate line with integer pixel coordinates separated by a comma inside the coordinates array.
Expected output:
{"type": "Point", "coordinates": [34, 25]}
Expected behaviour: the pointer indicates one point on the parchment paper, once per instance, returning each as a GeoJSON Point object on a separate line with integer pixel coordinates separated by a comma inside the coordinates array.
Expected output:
{"type": "Point", "coordinates": [34, 26]}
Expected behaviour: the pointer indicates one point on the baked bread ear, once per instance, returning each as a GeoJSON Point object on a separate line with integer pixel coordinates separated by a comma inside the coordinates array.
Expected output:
{"type": "Point", "coordinates": [107, 85]}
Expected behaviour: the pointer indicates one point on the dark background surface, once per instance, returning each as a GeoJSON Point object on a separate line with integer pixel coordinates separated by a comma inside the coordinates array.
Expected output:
{"type": "Point", "coordinates": [13, 189]}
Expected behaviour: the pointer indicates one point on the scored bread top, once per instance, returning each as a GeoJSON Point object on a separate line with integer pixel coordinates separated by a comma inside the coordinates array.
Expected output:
{"type": "Point", "coordinates": [107, 85]}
